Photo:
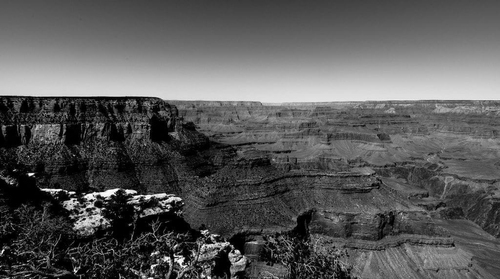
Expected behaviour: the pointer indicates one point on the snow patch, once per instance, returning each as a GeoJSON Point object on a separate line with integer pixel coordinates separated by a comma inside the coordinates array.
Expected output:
{"type": "Point", "coordinates": [87, 211]}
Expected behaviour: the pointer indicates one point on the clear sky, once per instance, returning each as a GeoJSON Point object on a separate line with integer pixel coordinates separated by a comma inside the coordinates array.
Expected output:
{"type": "Point", "coordinates": [269, 51]}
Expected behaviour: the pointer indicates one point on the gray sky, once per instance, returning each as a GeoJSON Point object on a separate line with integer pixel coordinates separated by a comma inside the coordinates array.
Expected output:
{"type": "Point", "coordinates": [270, 51]}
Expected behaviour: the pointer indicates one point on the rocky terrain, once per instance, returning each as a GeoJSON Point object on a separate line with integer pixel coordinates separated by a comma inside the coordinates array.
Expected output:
{"type": "Point", "coordinates": [87, 211]}
{"type": "Point", "coordinates": [95, 218]}
{"type": "Point", "coordinates": [410, 189]}
{"type": "Point", "coordinates": [434, 163]}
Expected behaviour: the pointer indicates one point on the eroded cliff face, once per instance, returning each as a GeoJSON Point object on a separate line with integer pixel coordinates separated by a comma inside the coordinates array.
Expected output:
{"type": "Point", "coordinates": [447, 152]}
{"type": "Point", "coordinates": [378, 178]}
{"type": "Point", "coordinates": [406, 168]}
{"type": "Point", "coordinates": [96, 143]}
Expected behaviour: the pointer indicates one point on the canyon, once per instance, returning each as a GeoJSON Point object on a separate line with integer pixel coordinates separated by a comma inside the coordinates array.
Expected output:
{"type": "Point", "coordinates": [411, 189]}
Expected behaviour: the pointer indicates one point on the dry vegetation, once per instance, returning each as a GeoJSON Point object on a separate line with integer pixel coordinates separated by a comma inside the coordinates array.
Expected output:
{"type": "Point", "coordinates": [302, 260]}
{"type": "Point", "coordinates": [39, 244]}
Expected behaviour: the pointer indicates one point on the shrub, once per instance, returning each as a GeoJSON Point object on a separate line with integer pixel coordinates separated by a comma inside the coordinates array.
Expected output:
{"type": "Point", "coordinates": [120, 213]}
{"type": "Point", "coordinates": [302, 259]}
{"type": "Point", "coordinates": [34, 243]}
{"type": "Point", "coordinates": [146, 255]}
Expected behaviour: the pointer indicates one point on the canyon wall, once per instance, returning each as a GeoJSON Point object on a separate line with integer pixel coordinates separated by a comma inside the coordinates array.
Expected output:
{"type": "Point", "coordinates": [434, 160]}
{"type": "Point", "coordinates": [450, 149]}
{"type": "Point", "coordinates": [96, 143]}
{"type": "Point", "coordinates": [382, 179]}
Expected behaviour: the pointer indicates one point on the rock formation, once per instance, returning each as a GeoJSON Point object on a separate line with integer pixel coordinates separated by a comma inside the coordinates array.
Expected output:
{"type": "Point", "coordinates": [95, 213]}
{"type": "Point", "coordinates": [432, 160]}
{"type": "Point", "coordinates": [385, 180]}
{"type": "Point", "coordinates": [83, 144]}
{"type": "Point", "coordinates": [87, 211]}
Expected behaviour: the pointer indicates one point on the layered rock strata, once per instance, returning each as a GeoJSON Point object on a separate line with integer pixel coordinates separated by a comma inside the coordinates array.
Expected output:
{"type": "Point", "coordinates": [426, 143]}
{"type": "Point", "coordinates": [434, 159]}
{"type": "Point", "coordinates": [83, 144]}
{"type": "Point", "coordinates": [377, 175]}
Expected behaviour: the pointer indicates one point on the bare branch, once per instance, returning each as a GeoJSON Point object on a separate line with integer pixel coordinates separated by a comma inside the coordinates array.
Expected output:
{"type": "Point", "coordinates": [170, 266]}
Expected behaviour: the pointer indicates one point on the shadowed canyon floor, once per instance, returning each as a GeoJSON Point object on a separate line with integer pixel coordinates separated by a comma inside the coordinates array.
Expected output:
{"type": "Point", "coordinates": [410, 189]}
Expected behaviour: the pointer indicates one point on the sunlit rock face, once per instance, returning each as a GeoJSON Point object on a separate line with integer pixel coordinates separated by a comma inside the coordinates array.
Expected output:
{"type": "Point", "coordinates": [430, 160]}
{"type": "Point", "coordinates": [382, 179]}
{"type": "Point", "coordinates": [88, 211]}
{"type": "Point", "coordinates": [442, 152]}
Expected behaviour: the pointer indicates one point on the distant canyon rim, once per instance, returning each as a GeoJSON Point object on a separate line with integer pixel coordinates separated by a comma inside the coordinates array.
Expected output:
{"type": "Point", "coordinates": [410, 188]}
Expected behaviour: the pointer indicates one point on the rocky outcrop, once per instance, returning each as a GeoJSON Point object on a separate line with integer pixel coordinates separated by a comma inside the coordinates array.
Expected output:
{"type": "Point", "coordinates": [453, 196]}
{"type": "Point", "coordinates": [95, 214]}
{"type": "Point", "coordinates": [88, 212]}
{"type": "Point", "coordinates": [368, 226]}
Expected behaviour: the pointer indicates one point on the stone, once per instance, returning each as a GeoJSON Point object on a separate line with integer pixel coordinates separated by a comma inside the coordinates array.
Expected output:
{"type": "Point", "coordinates": [86, 211]}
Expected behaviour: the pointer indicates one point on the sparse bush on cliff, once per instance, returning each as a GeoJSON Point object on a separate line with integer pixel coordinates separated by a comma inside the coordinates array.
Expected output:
{"type": "Point", "coordinates": [302, 260]}
{"type": "Point", "coordinates": [120, 213]}
{"type": "Point", "coordinates": [35, 243]}
{"type": "Point", "coordinates": [154, 254]}
{"type": "Point", "coordinates": [38, 241]}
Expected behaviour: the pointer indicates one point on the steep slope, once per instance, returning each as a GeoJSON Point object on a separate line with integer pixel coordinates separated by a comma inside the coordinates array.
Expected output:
{"type": "Point", "coordinates": [434, 159]}
{"type": "Point", "coordinates": [97, 143]}
{"type": "Point", "coordinates": [433, 145]}
{"type": "Point", "coordinates": [376, 177]}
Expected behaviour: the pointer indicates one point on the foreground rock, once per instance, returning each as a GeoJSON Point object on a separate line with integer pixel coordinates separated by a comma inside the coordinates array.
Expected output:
{"type": "Point", "coordinates": [89, 215]}
{"type": "Point", "coordinates": [88, 212]}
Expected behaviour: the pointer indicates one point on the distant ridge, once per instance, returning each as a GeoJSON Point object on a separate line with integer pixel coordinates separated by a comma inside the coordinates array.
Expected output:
{"type": "Point", "coordinates": [182, 103]}
{"type": "Point", "coordinates": [204, 103]}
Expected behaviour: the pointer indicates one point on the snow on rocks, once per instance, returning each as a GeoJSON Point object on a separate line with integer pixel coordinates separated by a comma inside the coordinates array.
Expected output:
{"type": "Point", "coordinates": [87, 211]}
